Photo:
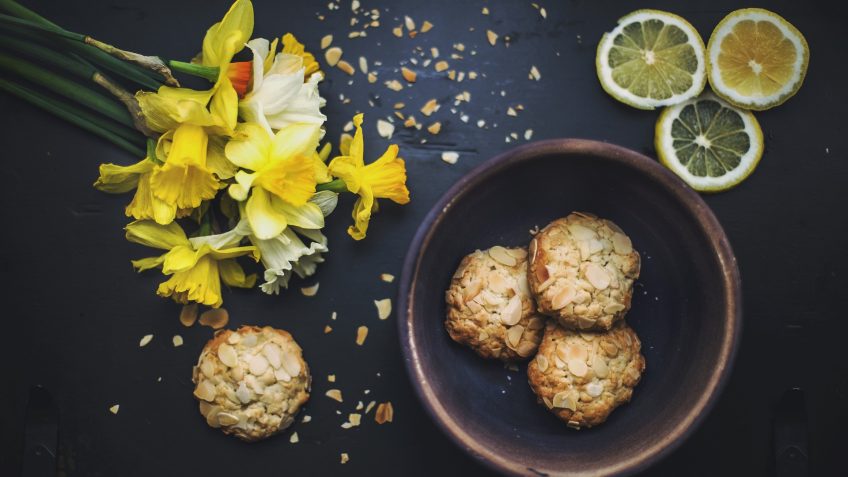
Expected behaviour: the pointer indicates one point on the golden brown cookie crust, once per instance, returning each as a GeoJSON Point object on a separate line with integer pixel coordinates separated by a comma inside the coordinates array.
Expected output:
{"type": "Point", "coordinates": [582, 270]}
{"type": "Point", "coordinates": [251, 382]}
{"type": "Point", "coordinates": [583, 376]}
{"type": "Point", "coordinates": [489, 308]}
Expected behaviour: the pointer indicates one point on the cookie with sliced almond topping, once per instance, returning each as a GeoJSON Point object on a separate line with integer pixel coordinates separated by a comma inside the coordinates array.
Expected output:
{"type": "Point", "coordinates": [251, 382]}
{"type": "Point", "coordinates": [581, 271]}
{"type": "Point", "coordinates": [489, 307]}
{"type": "Point", "coordinates": [583, 376]}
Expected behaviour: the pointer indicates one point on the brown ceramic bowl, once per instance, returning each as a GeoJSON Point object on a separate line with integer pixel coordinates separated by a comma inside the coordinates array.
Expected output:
{"type": "Point", "coordinates": [686, 308]}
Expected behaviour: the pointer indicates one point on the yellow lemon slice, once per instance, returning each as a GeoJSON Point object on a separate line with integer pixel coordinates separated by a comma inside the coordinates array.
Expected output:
{"type": "Point", "coordinates": [652, 59]}
{"type": "Point", "coordinates": [710, 144]}
{"type": "Point", "coordinates": [757, 60]}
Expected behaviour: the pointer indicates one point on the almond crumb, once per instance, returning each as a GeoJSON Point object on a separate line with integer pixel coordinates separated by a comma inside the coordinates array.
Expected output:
{"type": "Point", "coordinates": [426, 26]}
{"type": "Point", "coordinates": [345, 458]}
{"type": "Point", "coordinates": [361, 334]}
{"type": "Point", "coordinates": [145, 340]}
{"type": "Point", "coordinates": [397, 31]}
{"type": "Point", "coordinates": [385, 413]}
{"type": "Point", "coordinates": [294, 439]}
{"type": "Point", "coordinates": [384, 308]}
{"type": "Point", "coordinates": [326, 41]}
{"type": "Point", "coordinates": [334, 394]}
{"type": "Point", "coordinates": [408, 74]}
{"type": "Point", "coordinates": [114, 409]}
{"type": "Point", "coordinates": [177, 340]}
{"type": "Point", "coordinates": [310, 291]}
{"type": "Point", "coordinates": [387, 277]}
{"type": "Point", "coordinates": [430, 107]}
{"type": "Point", "coordinates": [327, 329]}
{"type": "Point", "coordinates": [450, 157]}
{"type": "Point", "coordinates": [394, 85]}
{"type": "Point", "coordinates": [346, 67]}
{"type": "Point", "coordinates": [333, 55]}
{"type": "Point", "coordinates": [534, 73]}
{"type": "Point", "coordinates": [441, 66]}
{"type": "Point", "coordinates": [492, 37]}
{"type": "Point", "coordinates": [435, 128]}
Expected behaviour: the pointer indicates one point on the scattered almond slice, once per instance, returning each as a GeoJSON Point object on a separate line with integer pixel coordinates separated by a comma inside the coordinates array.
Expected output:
{"type": "Point", "coordinates": [430, 107]}
{"type": "Point", "coordinates": [534, 73]}
{"type": "Point", "coordinates": [306, 418]}
{"type": "Point", "coordinates": [384, 308]}
{"type": "Point", "coordinates": [370, 406]}
{"type": "Point", "coordinates": [216, 318]}
{"type": "Point", "coordinates": [310, 291]}
{"type": "Point", "coordinates": [434, 128]}
{"type": "Point", "coordinates": [177, 340]}
{"type": "Point", "coordinates": [410, 122]}
{"type": "Point", "coordinates": [385, 129]}
{"type": "Point", "coordinates": [333, 55]}
{"type": "Point", "coordinates": [408, 23]}
{"type": "Point", "coordinates": [361, 334]}
{"type": "Point", "coordinates": [426, 26]}
{"type": "Point", "coordinates": [385, 413]}
{"type": "Point", "coordinates": [387, 277]}
{"type": "Point", "coordinates": [363, 65]}
{"type": "Point", "coordinates": [441, 66]}
{"type": "Point", "coordinates": [114, 409]}
{"type": "Point", "coordinates": [346, 67]}
{"type": "Point", "coordinates": [372, 78]}
{"type": "Point", "coordinates": [294, 439]}
{"type": "Point", "coordinates": [394, 85]}
{"type": "Point", "coordinates": [334, 394]}
{"type": "Point", "coordinates": [188, 315]}
{"type": "Point", "coordinates": [528, 134]}
{"type": "Point", "coordinates": [485, 11]}
{"type": "Point", "coordinates": [511, 112]}
{"type": "Point", "coordinates": [345, 458]}
{"type": "Point", "coordinates": [327, 329]}
{"type": "Point", "coordinates": [408, 74]}
{"type": "Point", "coordinates": [492, 37]}
{"type": "Point", "coordinates": [326, 41]}
{"type": "Point", "coordinates": [331, 378]}
{"type": "Point", "coordinates": [145, 340]}
{"type": "Point", "coordinates": [543, 12]}
{"type": "Point", "coordinates": [397, 31]}
{"type": "Point", "coordinates": [450, 157]}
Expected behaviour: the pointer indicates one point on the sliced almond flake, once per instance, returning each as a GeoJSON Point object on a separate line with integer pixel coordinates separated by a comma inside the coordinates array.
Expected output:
{"type": "Point", "coordinates": [492, 37]}
{"type": "Point", "coordinates": [430, 107]}
{"type": "Point", "coordinates": [354, 419]}
{"type": "Point", "coordinates": [114, 409]}
{"type": "Point", "coordinates": [363, 65]}
{"type": "Point", "coordinates": [385, 413]}
{"type": "Point", "coordinates": [384, 308]}
{"type": "Point", "coordinates": [345, 458]}
{"type": "Point", "coordinates": [145, 340]}
{"type": "Point", "coordinates": [426, 26]}
{"type": "Point", "coordinates": [334, 394]}
{"type": "Point", "coordinates": [513, 135]}
{"type": "Point", "coordinates": [394, 85]}
{"type": "Point", "coordinates": [460, 76]}
{"type": "Point", "coordinates": [385, 129]}
{"type": "Point", "coordinates": [347, 128]}
{"type": "Point", "coordinates": [306, 418]}
{"type": "Point", "coordinates": [188, 315]}
{"type": "Point", "coordinates": [452, 75]}
{"type": "Point", "coordinates": [294, 439]}
{"type": "Point", "coordinates": [543, 12]}
{"type": "Point", "coordinates": [481, 123]}
{"type": "Point", "coordinates": [441, 66]}
{"type": "Point", "coordinates": [326, 41]}
{"type": "Point", "coordinates": [397, 31]}
{"type": "Point", "coordinates": [331, 378]}
{"type": "Point", "coordinates": [528, 134]}
{"type": "Point", "coordinates": [511, 112]}
{"type": "Point", "coordinates": [177, 340]}
{"type": "Point", "coordinates": [372, 78]}
{"type": "Point", "coordinates": [333, 55]}
{"type": "Point", "coordinates": [361, 334]}
{"type": "Point", "coordinates": [450, 157]}
{"type": "Point", "coordinates": [354, 5]}
{"type": "Point", "coordinates": [434, 52]}
{"type": "Point", "coordinates": [534, 73]}
{"type": "Point", "coordinates": [408, 23]}
{"type": "Point", "coordinates": [216, 318]}
{"type": "Point", "coordinates": [400, 115]}
{"type": "Point", "coordinates": [410, 122]}
{"type": "Point", "coordinates": [399, 105]}
{"type": "Point", "coordinates": [310, 291]}
{"type": "Point", "coordinates": [334, 315]}
{"type": "Point", "coordinates": [434, 128]}
{"type": "Point", "coordinates": [485, 11]}
{"type": "Point", "coordinates": [327, 329]}
{"type": "Point", "coordinates": [346, 67]}
{"type": "Point", "coordinates": [408, 74]}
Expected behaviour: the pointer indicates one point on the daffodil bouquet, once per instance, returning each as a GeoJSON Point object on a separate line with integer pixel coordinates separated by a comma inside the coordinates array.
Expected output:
{"type": "Point", "coordinates": [240, 163]}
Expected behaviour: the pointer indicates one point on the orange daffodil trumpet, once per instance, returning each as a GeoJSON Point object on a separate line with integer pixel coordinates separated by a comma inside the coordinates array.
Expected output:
{"type": "Point", "coordinates": [256, 133]}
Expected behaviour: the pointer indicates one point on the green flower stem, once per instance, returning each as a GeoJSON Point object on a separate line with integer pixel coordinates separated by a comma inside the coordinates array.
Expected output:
{"type": "Point", "coordinates": [73, 115]}
{"type": "Point", "coordinates": [62, 61]}
{"type": "Point", "coordinates": [208, 72]}
{"type": "Point", "coordinates": [69, 89]}
{"type": "Point", "coordinates": [82, 51]}
{"type": "Point", "coordinates": [336, 185]}
{"type": "Point", "coordinates": [30, 24]}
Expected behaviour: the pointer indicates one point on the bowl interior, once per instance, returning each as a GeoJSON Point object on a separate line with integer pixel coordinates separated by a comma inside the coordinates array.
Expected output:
{"type": "Point", "coordinates": [682, 308]}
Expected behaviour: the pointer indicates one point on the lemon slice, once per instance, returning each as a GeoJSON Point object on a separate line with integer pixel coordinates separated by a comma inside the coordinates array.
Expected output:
{"type": "Point", "coordinates": [757, 59]}
{"type": "Point", "coordinates": [652, 59]}
{"type": "Point", "coordinates": [710, 144]}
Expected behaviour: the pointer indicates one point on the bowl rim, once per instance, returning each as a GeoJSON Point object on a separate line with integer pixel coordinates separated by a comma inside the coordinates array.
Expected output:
{"type": "Point", "coordinates": [690, 199]}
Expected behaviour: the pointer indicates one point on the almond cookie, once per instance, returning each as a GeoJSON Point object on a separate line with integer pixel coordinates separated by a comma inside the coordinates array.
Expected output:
{"type": "Point", "coordinates": [489, 305]}
{"type": "Point", "coordinates": [582, 270]}
{"type": "Point", "coordinates": [583, 376]}
{"type": "Point", "coordinates": [251, 382]}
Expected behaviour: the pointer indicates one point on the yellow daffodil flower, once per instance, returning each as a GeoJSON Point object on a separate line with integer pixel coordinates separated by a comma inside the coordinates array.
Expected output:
{"type": "Point", "coordinates": [196, 265]}
{"type": "Point", "coordinates": [282, 178]}
{"type": "Point", "coordinates": [294, 47]}
{"type": "Point", "coordinates": [383, 178]}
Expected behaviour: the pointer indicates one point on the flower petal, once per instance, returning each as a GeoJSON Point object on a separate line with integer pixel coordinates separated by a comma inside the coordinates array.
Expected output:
{"type": "Point", "coordinates": [217, 160]}
{"type": "Point", "coordinates": [307, 216]}
{"type": "Point", "coordinates": [291, 179]}
{"type": "Point", "coordinates": [147, 206]}
{"type": "Point", "coordinates": [116, 179]}
{"type": "Point", "coordinates": [326, 200]}
{"type": "Point", "coordinates": [224, 104]}
{"type": "Point", "coordinates": [265, 221]}
{"type": "Point", "coordinates": [259, 47]}
{"type": "Point", "coordinates": [361, 214]}
{"type": "Point", "coordinates": [148, 263]}
{"type": "Point", "coordinates": [201, 284]}
{"type": "Point", "coordinates": [182, 257]}
{"type": "Point", "coordinates": [151, 234]}
{"type": "Point", "coordinates": [227, 37]}
{"type": "Point", "coordinates": [233, 275]}
{"type": "Point", "coordinates": [296, 140]}
{"type": "Point", "coordinates": [387, 177]}
{"type": "Point", "coordinates": [250, 148]}
{"type": "Point", "coordinates": [241, 188]}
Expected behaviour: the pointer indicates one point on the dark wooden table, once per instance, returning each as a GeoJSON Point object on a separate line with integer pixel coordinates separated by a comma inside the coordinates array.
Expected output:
{"type": "Point", "coordinates": [75, 309]}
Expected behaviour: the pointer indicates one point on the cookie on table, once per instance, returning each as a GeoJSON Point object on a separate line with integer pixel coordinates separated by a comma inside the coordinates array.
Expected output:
{"type": "Point", "coordinates": [583, 376]}
{"type": "Point", "coordinates": [251, 382]}
{"type": "Point", "coordinates": [582, 270]}
{"type": "Point", "coordinates": [490, 309]}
